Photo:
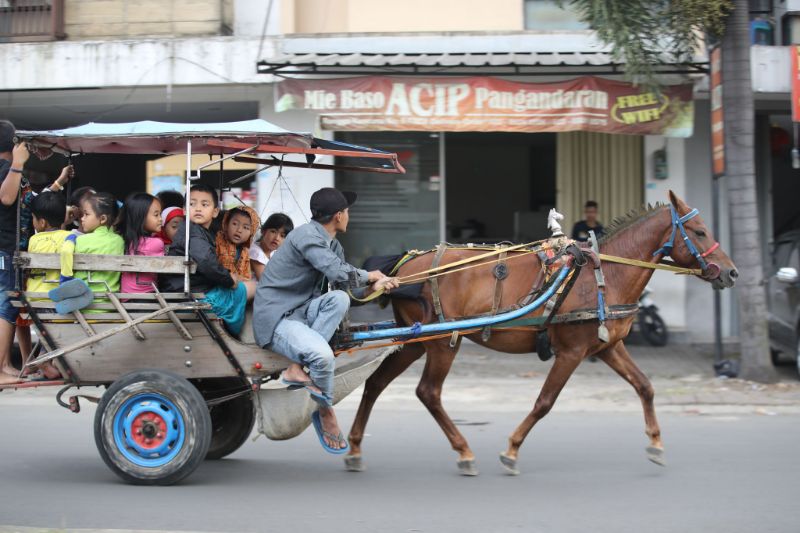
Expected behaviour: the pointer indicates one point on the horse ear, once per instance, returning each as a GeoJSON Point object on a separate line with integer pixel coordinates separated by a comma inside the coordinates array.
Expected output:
{"type": "Point", "coordinates": [675, 201]}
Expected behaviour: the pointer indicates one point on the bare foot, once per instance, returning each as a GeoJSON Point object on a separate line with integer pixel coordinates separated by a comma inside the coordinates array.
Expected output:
{"type": "Point", "coordinates": [331, 425]}
{"type": "Point", "coordinates": [10, 370]}
{"type": "Point", "coordinates": [7, 379]}
{"type": "Point", "coordinates": [295, 373]}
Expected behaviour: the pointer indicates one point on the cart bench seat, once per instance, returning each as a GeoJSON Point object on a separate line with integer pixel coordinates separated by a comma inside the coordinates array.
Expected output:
{"type": "Point", "coordinates": [116, 263]}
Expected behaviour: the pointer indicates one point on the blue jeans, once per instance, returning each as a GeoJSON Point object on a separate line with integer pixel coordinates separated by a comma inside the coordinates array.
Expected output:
{"type": "Point", "coordinates": [7, 311]}
{"type": "Point", "coordinates": [306, 342]}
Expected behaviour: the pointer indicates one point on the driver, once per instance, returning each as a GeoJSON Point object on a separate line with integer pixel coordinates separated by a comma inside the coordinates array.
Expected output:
{"type": "Point", "coordinates": [294, 317]}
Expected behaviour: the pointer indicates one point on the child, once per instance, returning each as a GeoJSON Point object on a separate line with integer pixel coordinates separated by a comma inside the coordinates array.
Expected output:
{"type": "Point", "coordinates": [234, 239]}
{"type": "Point", "coordinates": [98, 214]}
{"type": "Point", "coordinates": [48, 210]}
{"type": "Point", "coordinates": [74, 214]}
{"type": "Point", "coordinates": [224, 290]}
{"type": "Point", "coordinates": [172, 218]}
{"type": "Point", "coordinates": [274, 230]}
{"type": "Point", "coordinates": [140, 221]}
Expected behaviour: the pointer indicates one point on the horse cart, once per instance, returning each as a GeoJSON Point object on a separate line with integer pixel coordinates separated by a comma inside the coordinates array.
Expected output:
{"type": "Point", "coordinates": [180, 389]}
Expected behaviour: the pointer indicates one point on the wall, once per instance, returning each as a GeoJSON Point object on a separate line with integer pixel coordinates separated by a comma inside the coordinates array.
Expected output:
{"type": "Point", "coordinates": [113, 19]}
{"type": "Point", "coordinates": [687, 303]}
{"type": "Point", "coordinates": [343, 16]}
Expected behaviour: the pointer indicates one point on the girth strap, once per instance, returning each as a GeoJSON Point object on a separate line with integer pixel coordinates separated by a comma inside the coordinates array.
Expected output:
{"type": "Point", "coordinates": [437, 302]}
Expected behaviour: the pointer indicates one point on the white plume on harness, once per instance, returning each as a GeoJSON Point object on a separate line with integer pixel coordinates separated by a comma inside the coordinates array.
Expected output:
{"type": "Point", "coordinates": [552, 223]}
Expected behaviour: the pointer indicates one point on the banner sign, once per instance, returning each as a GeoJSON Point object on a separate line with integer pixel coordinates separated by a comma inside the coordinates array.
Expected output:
{"type": "Point", "coordinates": [717, 115]}
{"type": "Point", "coordinates": [377, 103]}
{"type": "Point", "coordinates": [795, 83]}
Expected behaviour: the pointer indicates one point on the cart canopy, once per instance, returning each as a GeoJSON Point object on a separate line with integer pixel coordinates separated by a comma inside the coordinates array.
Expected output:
{"type": "Point", "coordinates": [252, 137]}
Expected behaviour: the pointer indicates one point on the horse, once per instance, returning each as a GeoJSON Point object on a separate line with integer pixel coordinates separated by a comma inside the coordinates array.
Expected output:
{"type": "Point", "coordinates": [646, 236]}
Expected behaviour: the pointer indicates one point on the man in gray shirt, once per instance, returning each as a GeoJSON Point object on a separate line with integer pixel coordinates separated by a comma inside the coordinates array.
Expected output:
{"type": "Point", "coordinates": [295, 318]}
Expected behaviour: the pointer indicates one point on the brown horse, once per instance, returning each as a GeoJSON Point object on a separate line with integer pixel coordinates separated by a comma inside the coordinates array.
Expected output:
{"type": "Point", "coordinates": [470, 292]}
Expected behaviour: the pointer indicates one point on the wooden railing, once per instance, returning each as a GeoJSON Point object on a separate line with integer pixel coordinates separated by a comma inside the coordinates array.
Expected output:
{"type": "Point", "coordinates": [31, 20]}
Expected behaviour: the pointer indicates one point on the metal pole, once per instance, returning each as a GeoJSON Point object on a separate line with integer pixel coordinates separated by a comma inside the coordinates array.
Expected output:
{"type": "Point", "coordinates": [442, 190]}
{"type": "Point", "coordinates": [186, 287]}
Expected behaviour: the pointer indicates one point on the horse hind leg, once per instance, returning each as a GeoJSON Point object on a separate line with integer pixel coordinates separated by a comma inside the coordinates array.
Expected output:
{"type": "Point", "coordinates": [394, 365]}
{"type": "Point", "coordinates": [429, 391]}
{"type": "Point", "coordinates": [618, 358]}
{"type": "Point", "coordinates": [562, 369]}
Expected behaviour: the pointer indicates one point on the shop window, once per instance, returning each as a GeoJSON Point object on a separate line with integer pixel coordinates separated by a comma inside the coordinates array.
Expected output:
{"type": "Point", "coordinates": [548, 15]}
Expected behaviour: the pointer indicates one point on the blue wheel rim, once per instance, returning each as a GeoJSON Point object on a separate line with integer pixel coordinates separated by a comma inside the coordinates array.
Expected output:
{"type": "Point", "coordinates": [149, 430]}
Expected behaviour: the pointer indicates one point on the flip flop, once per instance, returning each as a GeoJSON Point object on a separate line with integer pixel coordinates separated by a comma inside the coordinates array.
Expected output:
{"type": "Point", "coordinates": [69, 289]}
{"type": "Point", "coordinates": [321, 433]}
{"type": "Point", "coordinates": [294, 385]}
{"type": "Point", "coordinates": [70, 305]}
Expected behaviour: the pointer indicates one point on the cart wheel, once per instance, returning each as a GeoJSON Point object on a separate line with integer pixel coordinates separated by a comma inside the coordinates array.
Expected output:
{"type": "Point", "coordinates": [152, 427]}
{"type": "Point", "coordinates": [231, 421]}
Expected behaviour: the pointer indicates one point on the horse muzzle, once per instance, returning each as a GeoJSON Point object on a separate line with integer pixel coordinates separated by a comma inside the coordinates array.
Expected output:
{"type": "Point", "coordinates": [720, 279]}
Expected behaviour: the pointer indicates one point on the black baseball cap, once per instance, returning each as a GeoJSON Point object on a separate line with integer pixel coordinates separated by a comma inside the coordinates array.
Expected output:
{"type": "Point", "coordinates": [329, 201]}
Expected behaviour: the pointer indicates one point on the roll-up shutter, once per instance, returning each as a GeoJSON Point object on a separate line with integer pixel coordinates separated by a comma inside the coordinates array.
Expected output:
{"type": "Point", "coordinates": [602, 167]}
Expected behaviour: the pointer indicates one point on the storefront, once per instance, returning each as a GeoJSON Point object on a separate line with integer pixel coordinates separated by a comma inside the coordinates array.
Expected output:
{"type": "Point", "coordinates": [486, 158]}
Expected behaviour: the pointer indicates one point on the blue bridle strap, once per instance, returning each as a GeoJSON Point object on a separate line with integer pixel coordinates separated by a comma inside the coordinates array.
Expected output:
{"type": "Point", "coordinates": [677, 224]}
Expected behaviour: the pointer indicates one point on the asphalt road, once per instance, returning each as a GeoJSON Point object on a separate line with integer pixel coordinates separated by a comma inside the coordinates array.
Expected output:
{"type": "Point", "coordinates": [581, 471]}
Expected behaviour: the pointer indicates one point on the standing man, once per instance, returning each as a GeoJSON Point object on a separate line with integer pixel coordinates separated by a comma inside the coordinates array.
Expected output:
{"type": "Point", "coordinates": [580, 231]}
{"type": "Point", "coordinates": [294, 317]}
{"type": "Point", "coordinates": [12, 159]}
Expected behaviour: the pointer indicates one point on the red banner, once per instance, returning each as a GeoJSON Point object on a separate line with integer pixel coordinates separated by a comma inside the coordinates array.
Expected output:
{"type": "Point", "coordinates": [796, 83]}
{"type": "Point", "coordinates": [378, 103]}
{"type": "Point", "coordinates": [717, 115]}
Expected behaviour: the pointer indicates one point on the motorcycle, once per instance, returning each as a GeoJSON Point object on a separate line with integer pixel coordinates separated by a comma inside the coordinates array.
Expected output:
{"type": "Point", "coordinates": [651, 325]}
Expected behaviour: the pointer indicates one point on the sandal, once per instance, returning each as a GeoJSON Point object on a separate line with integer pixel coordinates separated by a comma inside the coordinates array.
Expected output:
{"type": "Point", "coordinates": [321, 434]}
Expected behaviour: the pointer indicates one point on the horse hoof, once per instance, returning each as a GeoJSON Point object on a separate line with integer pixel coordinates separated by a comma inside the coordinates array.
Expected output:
{"type": "Point", "coordinates": [656, 455]}
{"type": "Point", "coordinates": [509, 464]}
{"type": "Point", "coordinates": [467, 467]}
{"type": "Point", "coordinates": [353, 463]}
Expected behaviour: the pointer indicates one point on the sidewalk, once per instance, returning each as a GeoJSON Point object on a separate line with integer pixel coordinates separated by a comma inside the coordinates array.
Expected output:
{"type": "Point", "coordinates": [483, 380]}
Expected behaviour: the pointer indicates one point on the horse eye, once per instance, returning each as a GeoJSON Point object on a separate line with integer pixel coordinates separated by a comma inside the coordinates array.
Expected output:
{"type": "Point", "coordinates": [700, 233]}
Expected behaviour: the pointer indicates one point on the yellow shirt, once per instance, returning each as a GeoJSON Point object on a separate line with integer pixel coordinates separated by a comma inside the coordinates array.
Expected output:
{"type": "Point", "coordinates": [46, 242]}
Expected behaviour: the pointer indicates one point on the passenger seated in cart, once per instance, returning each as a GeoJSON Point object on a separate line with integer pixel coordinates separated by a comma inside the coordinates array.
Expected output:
{"type": "Point", "coordinates": [293, 317]}
{"type": "Point", "coordinates": [233, 243]}
{"type": "Point", "coordinates": [48, 209]}
{"type": "Point", "coordinates": [74, 212]}
{"type": "Point", "coordinates": [172, 218]}
{"type": "Point", "coordinates": [139, 225]}
{"type": "Point", "coordinates": [224, 290]}
{"type": "Point", "coordinates": [273, 232]}
{"type": "Point", "coordinates": [99, 213]}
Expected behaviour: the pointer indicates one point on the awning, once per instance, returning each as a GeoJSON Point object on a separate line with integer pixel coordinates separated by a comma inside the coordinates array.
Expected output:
{"type": "Point", "coordinates": [260, 141]}
{"type": "Point", "coordinates": [458, 64]}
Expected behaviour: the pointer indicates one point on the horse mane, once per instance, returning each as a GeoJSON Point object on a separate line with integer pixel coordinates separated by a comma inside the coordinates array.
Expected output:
{"type": "Point", "coordinates": [633, 217]}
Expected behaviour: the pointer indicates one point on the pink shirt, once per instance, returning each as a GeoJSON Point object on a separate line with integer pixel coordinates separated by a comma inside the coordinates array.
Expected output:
{"type": "Point", "coordinates": [139, 282]}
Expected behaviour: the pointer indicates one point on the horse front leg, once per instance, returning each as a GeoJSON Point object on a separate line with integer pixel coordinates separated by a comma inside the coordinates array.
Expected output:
{"type": "Point", "coordinates": [429, 391]}
{"type": "Point", "coordinates": [394, 365]}
{"type": "Point", "coordinates": [565, 364]}
{"type": "Point", "coordinates": [618, 358]}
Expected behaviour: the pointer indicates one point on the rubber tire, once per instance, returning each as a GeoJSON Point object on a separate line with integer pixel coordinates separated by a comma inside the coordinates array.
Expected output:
{"type": "Point", "coordinates": [231, 422]}
{"type": "Point", "coordinates": [658, 336]}
{"type": "Point", "coordinates": [186, 398]}
{"type": "Point", "coordinates": [797, 355]}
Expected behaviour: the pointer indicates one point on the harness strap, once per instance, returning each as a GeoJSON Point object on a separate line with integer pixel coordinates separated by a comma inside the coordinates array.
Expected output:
{"type": "Point", "coordinates": [654, 266]}
{"type": "Point", "coordinates": [437, 301]}
{"type": "Point", "coordinates": [500, 273]}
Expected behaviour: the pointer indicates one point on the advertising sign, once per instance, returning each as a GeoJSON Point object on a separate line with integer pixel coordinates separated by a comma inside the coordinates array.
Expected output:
{"type": "Point", "coordinates": [378, 103]}
{"type": "Point", "coordinates": [717, 116]}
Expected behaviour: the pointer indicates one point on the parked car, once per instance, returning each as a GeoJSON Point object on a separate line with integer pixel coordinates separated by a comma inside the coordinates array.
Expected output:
{"type": "Point", "coordinates": [784, 299]}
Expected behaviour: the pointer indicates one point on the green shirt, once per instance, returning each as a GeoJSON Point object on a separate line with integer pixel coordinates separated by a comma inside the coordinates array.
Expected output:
{"type": "Point", "coordinates": [103, 240]}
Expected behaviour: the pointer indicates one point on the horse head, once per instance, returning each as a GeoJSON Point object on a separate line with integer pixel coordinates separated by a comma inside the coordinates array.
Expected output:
{"type": "Point", "coordinates": [691, 244]}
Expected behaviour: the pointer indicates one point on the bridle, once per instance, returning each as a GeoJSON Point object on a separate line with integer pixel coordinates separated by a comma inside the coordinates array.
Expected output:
{"type": "Point", "coordinates": [711, 271]}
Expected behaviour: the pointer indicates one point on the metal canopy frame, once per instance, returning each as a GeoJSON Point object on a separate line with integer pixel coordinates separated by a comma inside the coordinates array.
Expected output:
{"type": "Point", "coordinates": [289, 69]}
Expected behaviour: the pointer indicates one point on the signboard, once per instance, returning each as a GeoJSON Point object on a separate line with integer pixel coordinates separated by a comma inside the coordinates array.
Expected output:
{"type": "Point", "coordinates": [378, 103]}
{"type": "Point", "coordinates": [795, 83]}
{"type": "Point", "coordinates": [717, 116]}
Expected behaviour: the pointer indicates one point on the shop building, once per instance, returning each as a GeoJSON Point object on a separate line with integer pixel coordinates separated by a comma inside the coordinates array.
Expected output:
{"type": "Point", "coordinates": [195, 61]}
